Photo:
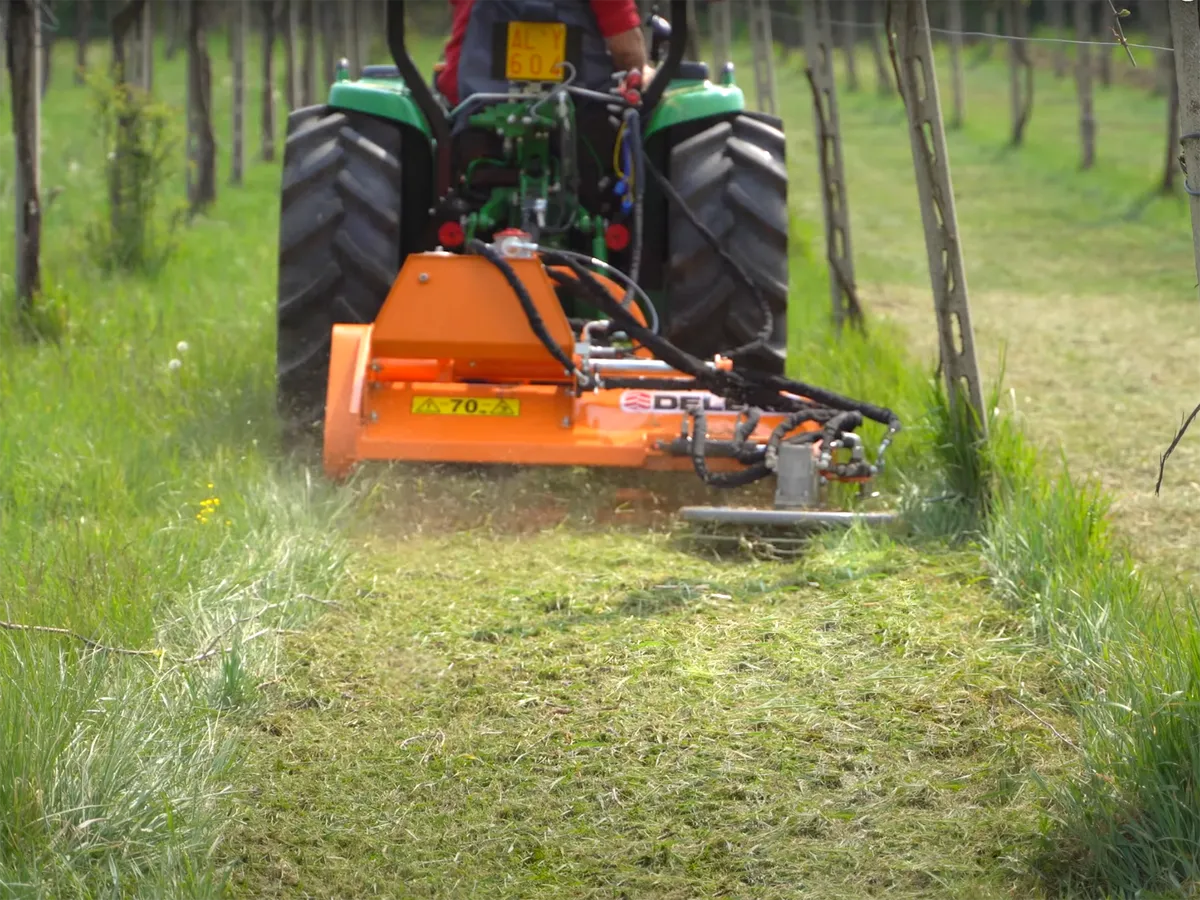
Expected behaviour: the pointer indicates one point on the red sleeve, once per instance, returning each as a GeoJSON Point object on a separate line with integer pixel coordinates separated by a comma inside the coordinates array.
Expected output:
{"type": "Point", "coordinates": [616, 16]}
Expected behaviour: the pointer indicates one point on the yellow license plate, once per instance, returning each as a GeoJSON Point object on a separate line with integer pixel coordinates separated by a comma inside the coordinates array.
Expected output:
{"type": "Point", "coordinates": [465, 406]}
{"type": "Point", "coordinates": [536, 51]}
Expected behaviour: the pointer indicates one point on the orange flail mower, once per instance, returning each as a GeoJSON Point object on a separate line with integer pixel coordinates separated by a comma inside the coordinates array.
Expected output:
{"type": "Point", "coordinates": [472, 359]}
{"type": "Point", "coordinates": [566, 266]}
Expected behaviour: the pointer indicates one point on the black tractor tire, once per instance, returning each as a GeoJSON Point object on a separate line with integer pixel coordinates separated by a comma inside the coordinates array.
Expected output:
{"type": "Point", "coordinates": [733, 177]}
{"type": "Point", "coordinates": [339, 245]}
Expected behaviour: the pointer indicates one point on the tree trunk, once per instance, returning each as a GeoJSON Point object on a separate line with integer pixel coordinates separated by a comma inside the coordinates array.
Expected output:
{"type": "Point", "coordinates": [1185, 38]}
{"type": "Point", "coordinates": [309, 64]}
{"type": "Point", "coordinates": [23, 45]}
{"type": "Point", "coordinates": [124, 27]}
{"type": "Point", "coordinates": [958, 91]}
{"type": "Point", "coordinates": [848, 40]}
{"type": "Point", "coordinates": [361, 33]}
{"type": "Point", "coordinates": [991, 25]}
{"type": "Point", "coordinates": [1021, 98]}
{"type": "Point", "coordinates": [145, 47]}
{"type": "Point", "coordinates": [351, 41]}
{"type": "Point", "coordinates": [1083, 82]}
{"type": "Point", "coordinates": [1159, 27]}
{"type": "Point", "coordinates": [268, 8]}
{"type": "Point", "coordinates": [883, 77]}
{"type": "Point", "coordinates": [175, 25]}
{"type": "Point", "coordinates": [47, 54]}
{"type": "Point", "coordinates": [83, 23]}
{"type": "Point", "coordinates": [329, 13]}
{"type": "Point", "coordinates": [346, 33]}
{"type": "Point", "coordinates": [1055, 18]}
{"type": "Point", "coordinates": [239, 35]}
{"type": "Point", "coordinates": [692, 51]}
{"type": "Point", "coordinates": [202, 168]}
{"type": "Point", "coordinates": [291, 83]}
{"type": "Point", "coordinates": [1104, 54]}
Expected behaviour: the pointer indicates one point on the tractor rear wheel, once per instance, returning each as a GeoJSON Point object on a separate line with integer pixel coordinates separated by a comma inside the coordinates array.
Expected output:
{"type": "Point", "coordinates": [733, 177]}
{"type": "Point", "coordinates": [339, 244]}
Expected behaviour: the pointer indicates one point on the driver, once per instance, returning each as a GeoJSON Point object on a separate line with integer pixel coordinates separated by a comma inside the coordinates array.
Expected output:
{"type": "Point", "coordinates": [612, 42]}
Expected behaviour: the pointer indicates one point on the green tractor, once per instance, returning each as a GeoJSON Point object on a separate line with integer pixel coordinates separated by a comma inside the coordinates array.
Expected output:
{"type": "Point", "coordinates": [680, 191]}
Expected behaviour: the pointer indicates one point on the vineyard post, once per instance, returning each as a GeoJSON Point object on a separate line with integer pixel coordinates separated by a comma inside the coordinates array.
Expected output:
{"type": "Point", "coordinates": [818, 52]}
{"type": "Point", "coordinates": [914, 60]}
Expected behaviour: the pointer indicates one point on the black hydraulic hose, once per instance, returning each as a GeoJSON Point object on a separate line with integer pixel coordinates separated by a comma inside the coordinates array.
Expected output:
{"type": "Point", "coordinates": [536, 322]}
{"type": "Point", "coordinates": [764, 333]}
{"type": "Point", "coordinates": [637, 155]}
{"type": "Point", "coordinates": [752, 473]}
{"type": "Point", "coordinates": [776, 383]}
{"type": "Point", "coordinates": [601, 298]}
{"type": "Point", "coordinates": [750, 387]}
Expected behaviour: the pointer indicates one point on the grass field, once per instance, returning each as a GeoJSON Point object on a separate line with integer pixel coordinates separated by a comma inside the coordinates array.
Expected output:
{"type": "Point", "coordinates": [526, 684]}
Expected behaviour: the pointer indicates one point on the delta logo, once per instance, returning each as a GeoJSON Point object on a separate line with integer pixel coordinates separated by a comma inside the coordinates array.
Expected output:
{"type": "Point", "coordinates": [673, 402]}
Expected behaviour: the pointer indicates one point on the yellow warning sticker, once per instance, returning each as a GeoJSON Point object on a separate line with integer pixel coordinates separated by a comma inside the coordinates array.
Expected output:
{"type": "Point", "coordinates": [465, 406]}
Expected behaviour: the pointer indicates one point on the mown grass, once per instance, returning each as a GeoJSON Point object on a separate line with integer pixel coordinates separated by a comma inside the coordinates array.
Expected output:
{"type": "Point", "coordinates": [601, 714]}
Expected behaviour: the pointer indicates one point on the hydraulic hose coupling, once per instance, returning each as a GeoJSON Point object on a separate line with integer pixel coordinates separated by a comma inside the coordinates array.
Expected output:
{"type": "Point", "coordinates": [513, 243]}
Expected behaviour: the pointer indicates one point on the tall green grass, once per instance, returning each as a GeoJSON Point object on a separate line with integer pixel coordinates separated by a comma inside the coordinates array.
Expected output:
{"type": "Point", "coordinates": [1128, 645]}
{"type": "Point", "coordinates": [1130, 652]}
{"type": "Point", "coordinates": [144, 505]}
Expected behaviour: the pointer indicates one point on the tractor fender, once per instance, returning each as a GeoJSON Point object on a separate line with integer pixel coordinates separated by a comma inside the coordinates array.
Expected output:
{"type": "Point", "coordinates": [692, 101]}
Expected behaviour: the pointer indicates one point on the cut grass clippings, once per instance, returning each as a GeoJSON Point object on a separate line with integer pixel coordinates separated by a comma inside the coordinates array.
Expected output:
{"type": "Point", "coordinates": [602, 713]}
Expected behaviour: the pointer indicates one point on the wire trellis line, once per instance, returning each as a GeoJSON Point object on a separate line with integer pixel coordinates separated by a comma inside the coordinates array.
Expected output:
{"type": "Point", "coordinates": [987, 34]}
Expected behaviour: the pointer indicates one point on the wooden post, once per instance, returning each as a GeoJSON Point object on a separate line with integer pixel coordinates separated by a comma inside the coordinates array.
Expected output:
{"type": "Point", "coordinates": [239, 33]}
{"type": "Point", "coordinates": [269, 8]}
{"type": "Point", "coordinates": [913, 57]}
{"type": "Point", "coordinates": [722, 32]}
{"type": "Point", "coordinates": [1083, 83]}
{"type": "Point", "coordinates": [1185, 37]}
{"type": "Point", "coordinates": [202, 168]}
{"type": "Point", "coordinates": [818, 51]}
{"type": "Point", "coordinates": [883, 77]}
{"type": "Point", "coordinates": [23, 38]}
{"type": "Point", "coordinates": [958, 90]}
{"type": "Point", "coordinates": [763, 47]}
